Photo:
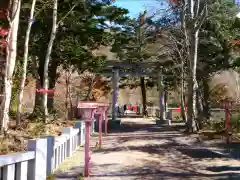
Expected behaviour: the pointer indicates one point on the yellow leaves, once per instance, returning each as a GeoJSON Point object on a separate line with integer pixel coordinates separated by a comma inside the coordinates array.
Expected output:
{"type": "Point", "coordinates": [218, 93]}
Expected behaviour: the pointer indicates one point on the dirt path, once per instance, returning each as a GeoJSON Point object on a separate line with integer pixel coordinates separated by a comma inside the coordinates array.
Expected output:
{"type": "Point", "coordinates": [149, 152]}
{"type": "Point", "coordinates": [155, 153]}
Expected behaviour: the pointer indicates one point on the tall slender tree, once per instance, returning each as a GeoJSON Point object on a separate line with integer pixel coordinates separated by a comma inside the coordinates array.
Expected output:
{"type": "Point", "coordinates": [25, 61]}
{"type": "Point", "coordinates": [11, 48]}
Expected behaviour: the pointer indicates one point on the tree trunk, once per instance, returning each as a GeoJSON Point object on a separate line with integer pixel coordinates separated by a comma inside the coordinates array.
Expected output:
{"type": "Point", "coordinates": [38, 74]}
{"type": "Point", "coordinates": [66, 95]}
{"type": "Point", "coordinates": [89, 92]}
{"type": "Point", "coordinates": [182, 100]}
{"type": "Point", "coordinates": [47, 58]}
{"type": "Point", "coordinates": [70, 100]}
{"type": "Point", "coordinates": [10, 63]}
{"type": "Point", "coordinates": [38, 66]}
{"type": "Point", "coordinates": [191, 108]}
{"type": "Point", "coordinates": [52, 83]}
{"type": "Point", "coordinates": [182, 93]}
{"type": "Point", "coordinates": [165, 99]}
{"type": "Point", "coordinates": [206, 98]}
{"type": "Point", "coordinates": [25, 62]}
{"type": "Point", "coordinates": [199, 107]}
{"type": "Point", "coordinates": [144, 97]}
{"type": "Point", "coordinates": [192, 18]}
{"type": "Point", "coordinates": [192, 125]}
{"type": "Point", "coordinates": [183, 109]}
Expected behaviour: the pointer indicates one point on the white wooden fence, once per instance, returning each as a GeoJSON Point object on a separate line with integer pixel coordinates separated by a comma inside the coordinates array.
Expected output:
{"type": "Point", "coordinates": [44, 155]}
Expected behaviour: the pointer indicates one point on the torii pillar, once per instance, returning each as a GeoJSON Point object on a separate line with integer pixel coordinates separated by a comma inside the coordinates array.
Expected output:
{"type": "Point", "coordinates": [162, 108]}
{"type": "Point", "coordinates": [161, 96]}
{"type": "Point", "coordinates": [115, 82]}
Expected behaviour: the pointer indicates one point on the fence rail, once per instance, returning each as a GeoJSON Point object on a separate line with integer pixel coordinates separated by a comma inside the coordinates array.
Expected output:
{"type": "Point", "coordinates": [43, 155]}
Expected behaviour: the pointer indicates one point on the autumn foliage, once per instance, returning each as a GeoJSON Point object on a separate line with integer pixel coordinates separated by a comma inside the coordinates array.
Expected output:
{"type": "Point", "coordinates": [218, 93]}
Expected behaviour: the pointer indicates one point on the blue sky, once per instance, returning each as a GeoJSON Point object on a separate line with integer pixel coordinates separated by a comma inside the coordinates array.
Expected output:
{"type": "Point", "coordinates": [137, 6]}
{"type": "Point", "coordinates": [134, 6]}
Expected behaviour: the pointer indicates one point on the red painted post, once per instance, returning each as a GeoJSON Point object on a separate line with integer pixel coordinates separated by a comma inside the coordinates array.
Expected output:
{"type": "Point", "coordinates": [227, 105]}
{"type": "Point", "coordinates": [87, 149]}
{"type": "Point", "coordinates": [228, 122]}
{"type": "Point", "coordinates": [102, 108]}
{"type": "Point", "coordinates": [100, 130]}
{"type": "Point", "coordinates": [106, 123]}
{"type": "Point", "coordinates": [87, 110]}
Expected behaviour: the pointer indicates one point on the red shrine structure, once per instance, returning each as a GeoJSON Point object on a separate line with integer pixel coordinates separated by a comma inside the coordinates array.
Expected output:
{"type": "Point", "coordinates": [4, 30]}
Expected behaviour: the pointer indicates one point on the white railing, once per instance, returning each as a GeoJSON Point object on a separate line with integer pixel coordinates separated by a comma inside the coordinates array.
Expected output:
{"type": "Point", "coordinates": [43, 157]}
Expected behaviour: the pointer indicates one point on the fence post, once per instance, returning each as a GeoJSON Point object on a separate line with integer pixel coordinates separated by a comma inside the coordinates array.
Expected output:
{"type": "Point", "coordinates": [68, 131]}
{"type": "Point", "coordinates": [83, 128]}
{"type": "Point", "coordinates": [37, 168]}
{"type": "Point", "coordinates": [78, 125]}
{"type": "Point", "coordinates": [50, 154]}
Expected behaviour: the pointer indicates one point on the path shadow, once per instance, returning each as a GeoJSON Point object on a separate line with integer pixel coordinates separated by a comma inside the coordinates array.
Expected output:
{"type": "Point", "coordinates": [232, 150]}
{"type": "Point", "coordinates": [200, 153]}
{"type": "Point", "coordinates": [147, 137]}
{"type": "Point", "coordinates": [223, 168]}
{"type": "Point", "coordinates": [157, 149]}
{"type": "Point", "coordinates": [116, 127]}
{"type": "Point", "coordinates": [157, 128]}
{"type": "Point", "coordinates": [182, 168]}
{"type": "Point", "coordinates": [165, 139]}
{"type": "Point", "coordinates": [160, 149]}
{"type": "Point", "coordinates": [151, 171]}
{"type": "Point", "coordinates": [129, 127]}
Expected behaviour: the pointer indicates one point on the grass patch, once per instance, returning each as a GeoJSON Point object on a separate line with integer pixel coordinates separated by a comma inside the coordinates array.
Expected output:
{"type": "Point", "coordinates": [72, 165]}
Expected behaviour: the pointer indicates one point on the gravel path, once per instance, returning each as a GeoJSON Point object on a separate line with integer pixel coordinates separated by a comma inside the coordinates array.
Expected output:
{"type": "Point", "coordinates": [157, 153]}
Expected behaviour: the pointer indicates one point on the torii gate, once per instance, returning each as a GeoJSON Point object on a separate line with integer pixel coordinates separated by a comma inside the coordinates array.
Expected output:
{"type": "Point", "coordinates": [151, 69]}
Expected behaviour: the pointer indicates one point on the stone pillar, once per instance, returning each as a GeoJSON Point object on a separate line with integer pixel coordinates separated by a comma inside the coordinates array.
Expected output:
{"type": "Point", "coordinates": [115, 81]}
{"type": "Point", "coordinates": [161, 96]}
